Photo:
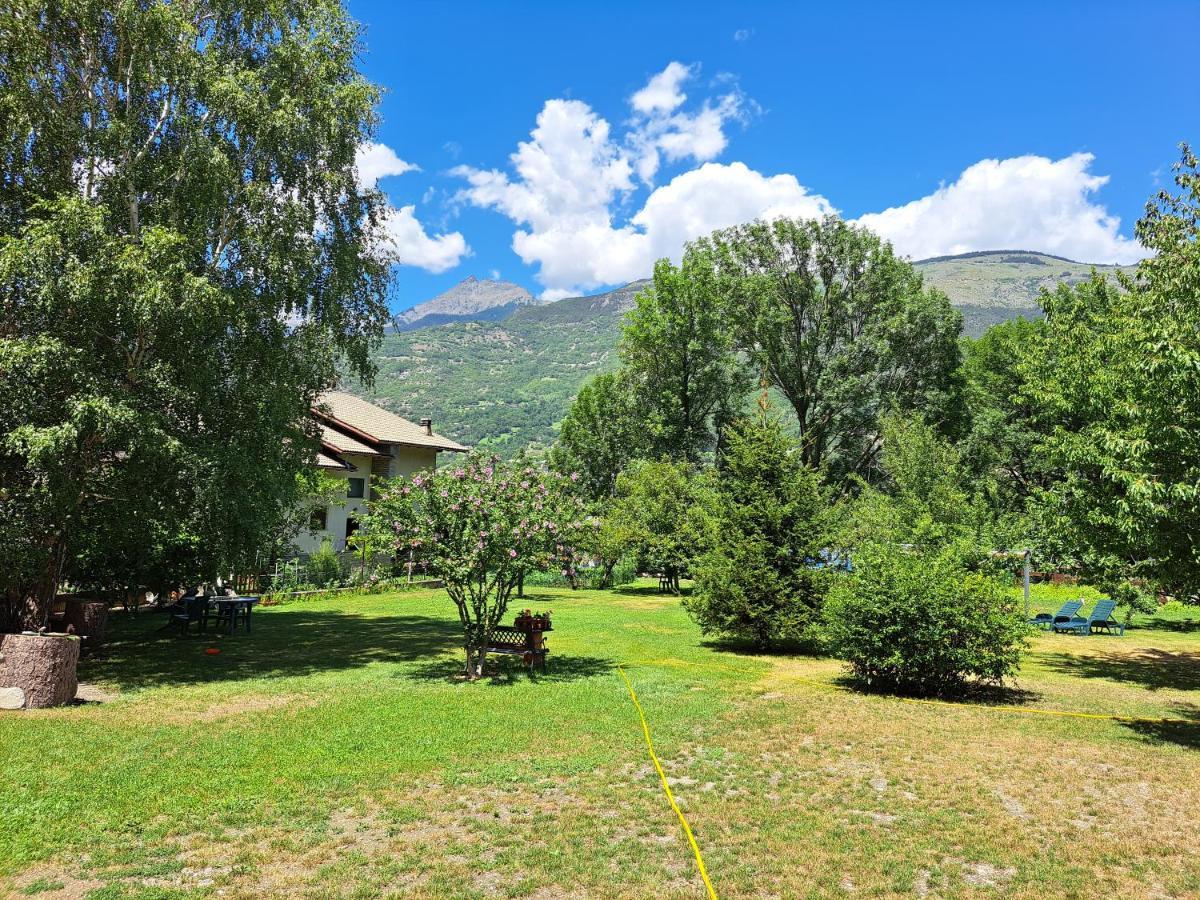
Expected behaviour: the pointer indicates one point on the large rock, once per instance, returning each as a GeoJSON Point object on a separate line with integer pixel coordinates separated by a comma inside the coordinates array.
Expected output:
{"type": "Point", "coordinates": [41, 665]}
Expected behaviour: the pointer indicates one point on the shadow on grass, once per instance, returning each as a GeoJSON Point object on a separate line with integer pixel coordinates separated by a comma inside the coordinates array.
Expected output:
{"type": "Point", "coordinates": [972, 693]}
{"type": "Point", "coordinates": [509, 670]}
{"type": "Point", "coordinates": [1185, 731]}
{"type": "Point", "coordinates": [1159, 624]}
{"type": "Point", "coordinates": [139, 653]}
{"type": "Point", "coordinates": [740, 647]}
{"type": "Point", "coordinates": [1153, 669]}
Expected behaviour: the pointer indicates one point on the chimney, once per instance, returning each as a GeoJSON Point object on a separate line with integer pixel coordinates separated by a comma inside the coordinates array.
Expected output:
{"type": "Point", "coordinates": [427, 424]}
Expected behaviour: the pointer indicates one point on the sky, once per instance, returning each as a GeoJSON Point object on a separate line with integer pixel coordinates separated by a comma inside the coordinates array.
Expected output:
{"type": "Point", "coordinates": [567, 146]}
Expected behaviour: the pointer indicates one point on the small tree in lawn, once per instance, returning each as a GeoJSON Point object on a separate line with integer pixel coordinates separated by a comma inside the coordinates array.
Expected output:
{"type": "Point", "coordinates": [665, 513]}
{"type": "Point", "coordinates": [480, 526]}
{"type": "Point", "coordinates": [760, 581]}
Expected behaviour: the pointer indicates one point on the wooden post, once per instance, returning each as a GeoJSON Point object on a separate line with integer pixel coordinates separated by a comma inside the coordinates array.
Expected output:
{"type": "Point", "coordinates": [1025, 578]}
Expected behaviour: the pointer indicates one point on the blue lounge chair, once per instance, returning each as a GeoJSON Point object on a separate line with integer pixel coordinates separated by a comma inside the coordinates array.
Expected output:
{"type": "Point", "coordinates": [1099, 619]}
{"type": "Point", "coordinates": [1045, 621]}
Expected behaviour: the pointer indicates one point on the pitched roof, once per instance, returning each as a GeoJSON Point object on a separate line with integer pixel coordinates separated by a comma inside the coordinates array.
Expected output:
{"type": "Point", "coordinates": [329, 461]}
{"type": "Point", "coordinates": [344, 443]}
{"type": "Point", "coordinates": [372, 423]}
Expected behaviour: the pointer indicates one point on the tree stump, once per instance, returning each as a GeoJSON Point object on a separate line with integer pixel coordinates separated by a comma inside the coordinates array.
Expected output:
{"type": "Point", "coordinates": [41, 665]}
{"type": "Point", "coordinates": [88, 618]}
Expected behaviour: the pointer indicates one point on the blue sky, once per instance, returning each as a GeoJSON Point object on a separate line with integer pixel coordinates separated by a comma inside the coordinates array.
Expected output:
{"type": "Point", "coordinates": [947, 127]}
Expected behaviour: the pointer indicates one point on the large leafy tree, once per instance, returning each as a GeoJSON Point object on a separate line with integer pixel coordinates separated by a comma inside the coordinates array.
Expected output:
{"type": "Point", "coordinates": [186, 256]}
{"type": "Point", "coordinates": [1123, 378]}
{"type": "Point", "coordinates": [602, 431]}
{"type": "Point", "coordinates": [677, 350]}
{"type": "Point", "coordinates": [843, 328]}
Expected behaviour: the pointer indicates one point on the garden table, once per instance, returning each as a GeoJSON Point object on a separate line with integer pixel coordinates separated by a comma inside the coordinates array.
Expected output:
{"type": "Point", "coordinates": [229, 609]}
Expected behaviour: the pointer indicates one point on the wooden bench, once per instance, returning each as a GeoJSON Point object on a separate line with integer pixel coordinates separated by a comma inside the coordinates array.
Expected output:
{"type": "Point", "coordinates": [529, 645]}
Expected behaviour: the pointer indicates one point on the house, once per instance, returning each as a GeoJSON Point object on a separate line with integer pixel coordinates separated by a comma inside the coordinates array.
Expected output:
{"type": "Point", "coordinates": [360, 440]}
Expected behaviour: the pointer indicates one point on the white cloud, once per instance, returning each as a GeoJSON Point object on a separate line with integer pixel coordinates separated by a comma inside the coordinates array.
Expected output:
{"type": "Point", "coordinates": [570, 191]}
{"type": "Point", "coordinates": [375, 161]}
{"type": "Point", "coordinates": [1023, 203]}
{"type": "Point", "coordinates": [743, 34]}
{"type": "Point", "coordinates": [407, 243]}
{"type": "Point", "coordinates": [662, 93]}
{"type": "Point", "coordinates": [660, 129]}
{"type": "Point", "coordinates": [571, 175]}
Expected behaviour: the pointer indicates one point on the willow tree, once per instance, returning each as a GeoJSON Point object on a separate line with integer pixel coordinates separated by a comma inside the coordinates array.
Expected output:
{"type": "Point", "coordinates": [843, 328]}
{"type": "Point", "coordinates": [186, 258]}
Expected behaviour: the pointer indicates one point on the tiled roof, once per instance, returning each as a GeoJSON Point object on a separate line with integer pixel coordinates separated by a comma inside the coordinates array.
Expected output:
{"type": "Point", "coordinates": [343, 443]}
{"type": "Point", "coordinates": [328, 461]}
{"type": "Point", "coordinates": [378, 424]}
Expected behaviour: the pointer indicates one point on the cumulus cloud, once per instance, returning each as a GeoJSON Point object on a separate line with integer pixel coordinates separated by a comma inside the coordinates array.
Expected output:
{"type": "Point", "coordinates": [570, 177]}
{"type": "Point", "coordinates": [375, 161]}
{"type": "Point", "coordinates": [404, 240]}
{"type": "Point", "coordinates": [1023, 203]}
{"type": "Point", "coordinates": [660, 129]}
{"type": "Point", "coordinates": [663, 92]}
{"type": "Point", "coordinates": [407, 243]}
{"type": "Point", "coordinates": [588, 214]}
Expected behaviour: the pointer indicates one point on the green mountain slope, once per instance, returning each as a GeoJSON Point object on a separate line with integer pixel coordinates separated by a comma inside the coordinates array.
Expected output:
{"type": "Point", "coordinates": [996, 285]}
{"type": "Point", "coordinates": [506, 385]}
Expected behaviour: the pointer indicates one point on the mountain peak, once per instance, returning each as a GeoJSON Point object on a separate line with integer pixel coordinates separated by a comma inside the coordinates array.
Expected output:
{"type": "Point", "coordinates": [471, 298]}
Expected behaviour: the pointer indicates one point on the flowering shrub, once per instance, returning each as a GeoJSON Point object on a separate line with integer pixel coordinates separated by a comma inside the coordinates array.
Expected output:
{"type": "Point", "coordinates": [480, 525]}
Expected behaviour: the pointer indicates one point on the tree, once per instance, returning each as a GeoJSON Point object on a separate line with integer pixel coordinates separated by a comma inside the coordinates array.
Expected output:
{"type": "Point", "coordinates": [480, 527]}
{"type": "Point", "coordinates": [678, 350]}
{"type": "Point", "coordinates": [841, 327]}
{"type": "Point", "coordinates": [762, 578]}
{"type": "Point", "coordinates": [1123, 382]}
{"type": "Point", "coordinates": [186, 259]}
{"type": "Point", "coordinates": [666, 511]}
{"type": "Point", "coordinates": [601, 433]}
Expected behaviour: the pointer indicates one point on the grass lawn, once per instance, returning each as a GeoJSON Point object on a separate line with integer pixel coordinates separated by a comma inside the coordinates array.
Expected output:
{"type": "Point", "coordinates": [332, 754]}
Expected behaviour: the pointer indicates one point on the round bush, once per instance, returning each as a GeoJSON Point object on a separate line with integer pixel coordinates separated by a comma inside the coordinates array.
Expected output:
{"type": "Point", "coordinates": [923, 625]}
{"type": "Point", "coordinates": [324, 566]}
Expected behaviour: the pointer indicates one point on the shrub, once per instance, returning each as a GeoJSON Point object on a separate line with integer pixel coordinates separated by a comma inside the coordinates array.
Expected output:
{"type": "Point", "coordinates": [922, 623]}
{"type": "Point", "coordinates": [324, 566]}
{"type": "Point", "coordinates": [761, 579]}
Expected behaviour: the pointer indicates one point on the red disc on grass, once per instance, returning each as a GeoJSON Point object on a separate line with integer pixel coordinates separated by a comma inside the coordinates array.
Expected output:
{"type": "Point", "coordinates": [213, 651]}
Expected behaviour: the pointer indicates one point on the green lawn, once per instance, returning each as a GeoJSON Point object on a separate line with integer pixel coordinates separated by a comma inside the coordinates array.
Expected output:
{"type": "Point", "coordinates": [332, 753]}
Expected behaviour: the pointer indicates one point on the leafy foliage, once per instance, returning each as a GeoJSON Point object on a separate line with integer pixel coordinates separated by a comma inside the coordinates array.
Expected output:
{"type": "Point", "coordinates": [1122, 379]}
{"type": "Point", "coordinates": [842, 327]}
{"type": "Point", "coordinates": [677, 348]}
{"type": "Point", "coordinates": [603, 430]}
{"type": "Point", "coordinates": [480, 527]}
{"type": "Point", "coordinates": [185, 259]}
{"type": "Point", "coordinates": [761, 579]}
{"type": "Point", "coordinates": [324, 566]}
{"type": "Point", "coordinates": [663, 515]}
{"type": "Point", "coordinates": [921, 623]}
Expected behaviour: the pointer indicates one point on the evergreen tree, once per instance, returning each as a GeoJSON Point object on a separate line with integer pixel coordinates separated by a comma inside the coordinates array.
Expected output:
{"type": "Point", "coordinates": [761, 580]}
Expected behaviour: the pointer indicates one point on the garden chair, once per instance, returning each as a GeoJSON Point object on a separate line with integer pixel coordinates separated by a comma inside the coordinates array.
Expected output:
{"type": "Point", "coordinates": [1066, 612]}
{"type": "Point", "coordinates": [191, 609]}
{"type": "Point", "coordinates": [1099, 619]}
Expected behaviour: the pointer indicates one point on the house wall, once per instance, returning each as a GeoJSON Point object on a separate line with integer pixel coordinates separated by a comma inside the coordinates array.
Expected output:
{"type": "Point", "coordinates": [405, 461]}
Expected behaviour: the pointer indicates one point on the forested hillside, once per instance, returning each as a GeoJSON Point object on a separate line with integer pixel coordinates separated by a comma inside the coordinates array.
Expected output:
{"type": "Point", "coordinates": [506, 384]}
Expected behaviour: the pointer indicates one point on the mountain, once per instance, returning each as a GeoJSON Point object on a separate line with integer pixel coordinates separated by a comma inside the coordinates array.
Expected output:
{"type": "Point", "coordinates": [503, 385]}
{"type": "Point", "coordinates": [471, 299]}
{"type": "Point", "coordinates": [503, 379]}
{"type": "Point", "coordinates": [994, 285]}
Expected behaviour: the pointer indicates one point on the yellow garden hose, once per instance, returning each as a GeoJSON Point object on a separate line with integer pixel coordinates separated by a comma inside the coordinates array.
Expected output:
{"type": "Point", "coordinates": [687, 829]}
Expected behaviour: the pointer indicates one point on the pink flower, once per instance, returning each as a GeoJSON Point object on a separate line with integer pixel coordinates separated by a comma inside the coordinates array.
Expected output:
{"type": "Point", "coordinates": [574, 476]}
{"type": "Point", "coordinates": [512, 553]}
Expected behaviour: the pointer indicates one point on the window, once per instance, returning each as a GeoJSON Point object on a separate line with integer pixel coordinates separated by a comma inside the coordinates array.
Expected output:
{"type": "Point", "coordinates": [351, 527]}
{"type": "Point", "coordinates": [317, 519]}
{"type": "Point", "coordinates": [356, 488]}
